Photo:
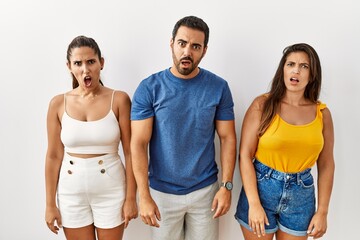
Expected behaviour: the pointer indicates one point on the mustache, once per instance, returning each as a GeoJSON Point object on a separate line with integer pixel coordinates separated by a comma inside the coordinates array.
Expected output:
{"type": "Point", "coordinates": [187, 58]}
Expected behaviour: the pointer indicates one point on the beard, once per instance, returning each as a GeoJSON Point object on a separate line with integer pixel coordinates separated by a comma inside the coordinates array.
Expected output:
{"type": "Point", "coordinates": [185, 71]}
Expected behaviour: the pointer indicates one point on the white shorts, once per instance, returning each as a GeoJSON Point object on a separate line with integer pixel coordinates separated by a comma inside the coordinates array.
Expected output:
{"type": "Point", "coordinates": [186, 216]}
{"type": "Point", "coordinates": [91, 190]}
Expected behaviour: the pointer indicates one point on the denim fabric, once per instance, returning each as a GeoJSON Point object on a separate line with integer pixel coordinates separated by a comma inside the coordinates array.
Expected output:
{"type": "Point", "coordinates": [288, 200]}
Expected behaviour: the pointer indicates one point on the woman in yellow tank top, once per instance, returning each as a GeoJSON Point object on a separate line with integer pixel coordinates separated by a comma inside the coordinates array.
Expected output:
{"type": "Point", "coordinates": [284, 134]}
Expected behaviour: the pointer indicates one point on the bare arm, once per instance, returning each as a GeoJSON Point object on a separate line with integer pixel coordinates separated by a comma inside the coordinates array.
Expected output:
{"type": "Point", "coordinates": [326, 168]}
{"type": "Point", "coordinates": [248, 145]}
{"type": "Point", "coordinates": [129, 208]}
{"type": "Point", "coordinates": [227, 136]}
{"type": "Point", "coordinates": [141, 134]}
{"type": "Point", "coordinates": [54, 156]}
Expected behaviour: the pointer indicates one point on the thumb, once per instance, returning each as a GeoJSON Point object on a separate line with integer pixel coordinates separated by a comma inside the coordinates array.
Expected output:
{"type": "Point", "coordinates": [59, 222]}
{"type": "Point", "coordinates": [214, 204]}
{"type": "Point", "coordinates": [310, 228]}
{"type": "Point", "coordinates": [157, 213]}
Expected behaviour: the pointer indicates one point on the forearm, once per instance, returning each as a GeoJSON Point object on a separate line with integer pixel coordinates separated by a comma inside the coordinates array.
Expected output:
{"type": "Point", "coordinates": [228, 157]}
{"type": "Point", "coordinates": [130, 179]}
{"type": "Point", "coordinates": [52, 169]}
{"type": "Point", "coordinates": [249, 181]}
{"type": "Point", "coordinates": [325, 185]}
{"type": "Point", "coordinates": [140, 168]}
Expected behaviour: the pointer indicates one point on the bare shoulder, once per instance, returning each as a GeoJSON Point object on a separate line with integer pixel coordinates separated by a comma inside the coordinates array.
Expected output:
{"type": "Point", "coordinates": [326, 115]}
{"type": "Point", "coordinates": [57, 101]}
{"type": "Point", "coordinates": [121, 97]}
{"type": "Point", "coordinates": [258, 103]}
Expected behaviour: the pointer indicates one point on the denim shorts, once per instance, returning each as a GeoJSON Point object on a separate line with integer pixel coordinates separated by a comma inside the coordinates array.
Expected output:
{"type": "Point", "coordinates": [288, 200]}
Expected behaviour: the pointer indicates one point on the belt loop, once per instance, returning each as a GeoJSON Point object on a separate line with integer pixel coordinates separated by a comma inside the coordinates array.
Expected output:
{"type": "Point", "coordinates": [298, 178]}
{"type": "Point", "coordinates": [268, 174]}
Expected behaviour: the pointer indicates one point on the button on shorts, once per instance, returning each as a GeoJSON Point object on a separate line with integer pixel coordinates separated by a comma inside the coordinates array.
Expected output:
{"type": "Point", "coordinates": [288, 200]}
{"type": "Point", "coordinates": [91, 190]}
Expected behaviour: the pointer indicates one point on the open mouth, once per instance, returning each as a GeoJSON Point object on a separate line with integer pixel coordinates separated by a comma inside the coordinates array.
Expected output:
{"type": "Point", "coordinates": [87, 81]}
{"type": "Point", "coordinates": [186, 62]}
{"type": "Point", "coordinates": [294, 80]}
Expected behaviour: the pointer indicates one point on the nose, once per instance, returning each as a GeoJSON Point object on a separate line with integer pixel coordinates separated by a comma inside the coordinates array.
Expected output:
{"type": "Point", "coordinates": [296, 69]}
{"type": "Point", "coordinates": [85, 68]}
{"type": "Point", "coordinates": [187, 50]}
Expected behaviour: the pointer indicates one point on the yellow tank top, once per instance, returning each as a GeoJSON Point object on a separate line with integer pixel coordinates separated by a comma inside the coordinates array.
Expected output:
{"type": "Point", "coordinates": [291, 148]}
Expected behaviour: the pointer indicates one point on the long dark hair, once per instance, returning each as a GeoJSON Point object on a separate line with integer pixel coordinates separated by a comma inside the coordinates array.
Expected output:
{"type": "Point", "coordinates": [82, 41]}
{"type": "Point", "coordinates": [278, 89]}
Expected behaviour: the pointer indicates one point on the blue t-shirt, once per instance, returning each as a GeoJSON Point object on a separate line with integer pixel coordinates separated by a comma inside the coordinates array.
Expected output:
{"type": "Point", "coordinates": [182, 151]}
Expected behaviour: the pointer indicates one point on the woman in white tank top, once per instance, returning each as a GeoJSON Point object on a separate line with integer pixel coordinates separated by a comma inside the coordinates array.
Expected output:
{"type": "Point", "coordinates": [88, 191]}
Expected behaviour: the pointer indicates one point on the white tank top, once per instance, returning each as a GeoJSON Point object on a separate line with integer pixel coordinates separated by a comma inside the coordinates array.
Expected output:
{"type": "Point", "coordinates": [93, 137]}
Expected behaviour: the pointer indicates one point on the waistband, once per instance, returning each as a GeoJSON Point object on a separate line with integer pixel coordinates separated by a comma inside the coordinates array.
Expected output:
{"type": "Point", "coordinates": [91, 162]}
{"type": "Point", "coordinates": [287, 177]}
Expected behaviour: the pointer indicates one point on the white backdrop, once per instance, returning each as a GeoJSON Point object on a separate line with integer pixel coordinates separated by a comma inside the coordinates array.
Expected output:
{"type": "Point", "coordinates": [246, 43]}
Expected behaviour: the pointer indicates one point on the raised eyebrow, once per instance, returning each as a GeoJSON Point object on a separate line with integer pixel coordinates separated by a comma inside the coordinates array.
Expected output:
{"type": "Point", "coordinates": [181, 40]}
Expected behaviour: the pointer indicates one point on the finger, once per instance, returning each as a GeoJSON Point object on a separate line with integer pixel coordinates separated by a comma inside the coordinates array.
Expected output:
{"type": "Point", "coordinates": [59, 222]}
{"type": "Point", "coordinates": [267, 221]}
{"type": "Point", "coordinates": [214, 205]}
{"type": "Point", "coordinates": [157, 214]}
{"type": "Point", "coordinates": [258, 229]}
{"type": "Point", "coordinates": [126, 222]}
{"type": "Point", "coordinates": [217, 213]}
{"type": "Point", "coordinates": [153, 221]}
{"type": "Point", "coordinates": [144, 220]}
{"type": "Point", "coordinates": [52, 227]}
{"type": "Point", "coordinates": [253, 227]}
{"type": "Point", "coordinates": [310, 229]}
{"type": "Point", "coordinates": [262, 229]}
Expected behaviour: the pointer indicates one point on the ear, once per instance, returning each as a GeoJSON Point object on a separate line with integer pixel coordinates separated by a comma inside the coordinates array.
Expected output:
{"type": "Point", "coordinates": [68, 65]}
{"type": "Point", "coordinates": [205, 50]}
{"type": "Point", "coordinates": [171, 43]}
{"type": "Point", "coordinates": [102, 61]}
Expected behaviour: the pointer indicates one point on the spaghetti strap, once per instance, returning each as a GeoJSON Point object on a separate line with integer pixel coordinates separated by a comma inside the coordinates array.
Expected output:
{"type": "Point", "coordinates": [65, 102]}
{"type": "Point", "coordinates": [112, 100]}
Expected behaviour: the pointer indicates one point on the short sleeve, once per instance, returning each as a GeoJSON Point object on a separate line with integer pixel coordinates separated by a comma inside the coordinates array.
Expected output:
{"type": "Point", "coordinates": [142, 103]}
{"type": "Point", "coordinates": [225, 110]}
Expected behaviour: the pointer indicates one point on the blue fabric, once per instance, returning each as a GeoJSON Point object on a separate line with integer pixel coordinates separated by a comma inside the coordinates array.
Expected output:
{"type": "Point", "coordinates": [288, 200]}
{"type": "Point", "coordinates": [182, 152]}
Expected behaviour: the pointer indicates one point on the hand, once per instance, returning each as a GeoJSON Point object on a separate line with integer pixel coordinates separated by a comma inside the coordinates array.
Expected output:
{"type": "Point", "coordinates": [318, 225]}
{"type": "Point", "coordinates": [258, 219]}
{"type": "Point", "coordinates": [52, 214]}
{"type": "Point", "coordinates": [221, 202]}
{"type": "Point", "coordinates": [129, 211]}
{"type": "Point", "coordinates": [149, 212]}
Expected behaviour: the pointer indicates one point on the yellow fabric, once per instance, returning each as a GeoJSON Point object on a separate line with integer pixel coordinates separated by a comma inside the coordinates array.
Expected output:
{"type": "Point", "coordinates": [291, 148]}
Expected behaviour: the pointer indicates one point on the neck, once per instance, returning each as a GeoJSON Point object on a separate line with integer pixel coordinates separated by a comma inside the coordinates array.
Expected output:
{"type": "Point", "coordinates": [89, 94]}
{"type": "Point", "coordinates": [176, 73]}
{"type": "Point", "coordinates": [294, 99]}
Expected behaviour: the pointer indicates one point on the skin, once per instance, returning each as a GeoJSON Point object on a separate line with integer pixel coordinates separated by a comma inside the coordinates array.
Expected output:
{"type": "Point", "coordinates": [86, 103]}
{"type": "Point", "coordinates": [187, 51]}
{"type": "Point", "coordinates": [296, 110]}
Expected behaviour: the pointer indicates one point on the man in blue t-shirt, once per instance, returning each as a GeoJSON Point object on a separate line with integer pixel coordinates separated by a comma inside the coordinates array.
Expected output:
{"type": "Point", "coordinates": [176, 113]}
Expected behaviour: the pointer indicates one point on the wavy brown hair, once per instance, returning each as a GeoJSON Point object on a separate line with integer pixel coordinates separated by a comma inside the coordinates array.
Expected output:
{"type": "Point", "coordinates": [278, 88]}
{"type": "Point", "coordinates": [82, 41]}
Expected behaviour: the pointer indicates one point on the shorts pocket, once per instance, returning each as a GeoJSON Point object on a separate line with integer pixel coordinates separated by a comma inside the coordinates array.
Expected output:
{"type": "Point", "coordinates": [115, 171]}
{"type": "Point", "coordinates": [307, 182]}
{"type": "Point", "coordinates": [260, 176]}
